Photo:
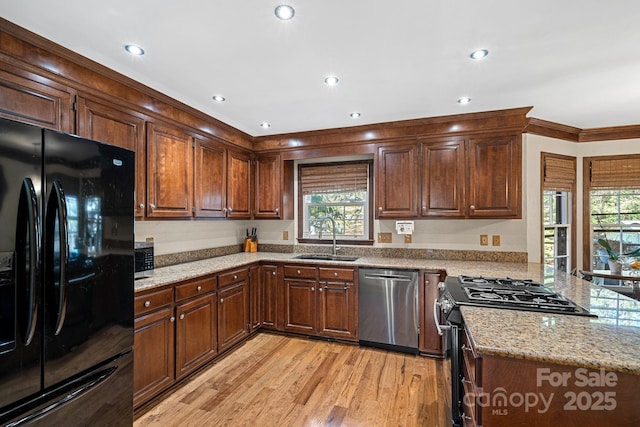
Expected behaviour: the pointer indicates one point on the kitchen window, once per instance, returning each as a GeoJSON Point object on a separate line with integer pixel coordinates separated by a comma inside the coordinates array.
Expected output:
{"type": "Point", "coordinates": [558, 211]}
{"type": "Point", "coordinates": [341, 191]}
{"type": "Point", "coordinates": [613, 202]}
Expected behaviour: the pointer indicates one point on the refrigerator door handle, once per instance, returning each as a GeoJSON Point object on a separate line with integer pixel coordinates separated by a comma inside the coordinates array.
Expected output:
{"type": "Point", "coordinates": [58, 204]}
{"type": "Point", "coordinates": [77, 389]}
{"type": "Point", "coordinates": [28, 244]}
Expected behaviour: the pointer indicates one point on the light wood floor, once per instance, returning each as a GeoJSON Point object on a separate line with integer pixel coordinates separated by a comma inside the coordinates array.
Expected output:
{"type": "Point", "coordinates": [272, 380]}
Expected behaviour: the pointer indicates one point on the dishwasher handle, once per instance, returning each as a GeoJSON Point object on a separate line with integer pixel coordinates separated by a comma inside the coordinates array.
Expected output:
{"type": "Point", "coordinates": [394, 277]}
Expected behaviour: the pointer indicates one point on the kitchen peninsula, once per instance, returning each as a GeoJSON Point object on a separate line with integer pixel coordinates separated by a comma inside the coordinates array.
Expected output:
{"type": "Point", "coordinates": [512, 350]}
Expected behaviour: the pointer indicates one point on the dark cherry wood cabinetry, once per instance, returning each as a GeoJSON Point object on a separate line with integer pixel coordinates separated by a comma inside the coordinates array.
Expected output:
{"type": "Point", "coordinates": [268, 177]}
{"type": "Point", "coordinates": [35, 100]}
{"type": "Point", "coordinates": [443, 178]}
{"type": "Point", "coordinates": [495, 170]}
{"type": "Point", "coordinates": [169, 171]}
{"type": "Point", "coordinates": [233, 307]}
{"type": "Point", "coordinates": [255, 294]}
{"type": "Point", "coordinates": [101, 121]}
{"type": "Point", "coordinates": [238, 185]}
{"type": "Point", "coordinates": [210, 178]}
{"type": "Point", "coordinates": [430, 342]}
{"type": "Point", "coordinates": [321, 301]}
{"type": "Point", "coordinates": [153, 344]}
{"type": "Point", "coordinates": [271, 293]}
{"type": "Point", "coordinates": [396, 181]}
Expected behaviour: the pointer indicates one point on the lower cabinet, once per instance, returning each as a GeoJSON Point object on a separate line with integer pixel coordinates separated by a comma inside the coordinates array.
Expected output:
{"type": "Point", "coordinates": [255, 294]}
{"type": "Point", "coordinates": [196, 332]}
{"type": "Point", "coordinates": [430, 341]}
{"type": "Point", "coordinates": [233, 310]}
{"type": "Point", "coordinates": [270, 304]}
{"type": "Point", "coordinates": [321, 301]}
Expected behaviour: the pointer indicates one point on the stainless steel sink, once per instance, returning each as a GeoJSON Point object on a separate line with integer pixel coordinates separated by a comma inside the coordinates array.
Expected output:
{"type": "Point", "coordinates": [327, 257]}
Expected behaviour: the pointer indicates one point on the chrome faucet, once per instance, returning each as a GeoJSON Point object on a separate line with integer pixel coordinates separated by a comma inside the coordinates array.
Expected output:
{"type": "Point", "coordinates": [333, 224]}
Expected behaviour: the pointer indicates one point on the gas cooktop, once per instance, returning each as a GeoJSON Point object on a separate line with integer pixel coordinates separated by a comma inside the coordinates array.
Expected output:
{"type": "Point", "coordinates": [516, 294]}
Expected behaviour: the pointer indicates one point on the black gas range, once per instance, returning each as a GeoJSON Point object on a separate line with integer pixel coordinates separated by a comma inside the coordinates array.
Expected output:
{"type": "Point", "coordinates": [508, 293]}
{"type": "Point", "coordinates": [478, 291]}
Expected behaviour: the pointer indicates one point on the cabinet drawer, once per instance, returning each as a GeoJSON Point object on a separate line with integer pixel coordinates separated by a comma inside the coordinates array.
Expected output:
{"type": "Point", "coordinates": [331, 273]}
{"type": "Point", "coordinates": [299, 271]}
{"type": "Point", "coordinates": [231, 277]}
{"type": "Point", "coordinates": [196, 287]}
{"type": "Point", "coordinates": [150, 301]}
{"type": "Point", "coordinates": [471, 360]}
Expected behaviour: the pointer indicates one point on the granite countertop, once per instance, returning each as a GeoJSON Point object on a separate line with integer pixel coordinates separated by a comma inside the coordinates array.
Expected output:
{"type": "Point", "coordinates": [611, 341]}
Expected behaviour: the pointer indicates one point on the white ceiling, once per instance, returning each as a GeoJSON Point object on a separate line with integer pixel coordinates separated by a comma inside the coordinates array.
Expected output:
{"type": "Point", "coordinates": [577, 62]}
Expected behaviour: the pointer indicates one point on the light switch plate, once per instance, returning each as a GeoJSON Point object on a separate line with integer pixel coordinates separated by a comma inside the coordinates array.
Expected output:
{"type": "Point", "coordinates": [384, 237]}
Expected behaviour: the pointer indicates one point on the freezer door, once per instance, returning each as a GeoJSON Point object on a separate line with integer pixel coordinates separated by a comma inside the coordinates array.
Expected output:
{"type": "Point", "coordinates": [20, 335]}
{"type": "Point", "coordinates": [88, 254]}
{"type": "Point", "coordinates": [102, 397]}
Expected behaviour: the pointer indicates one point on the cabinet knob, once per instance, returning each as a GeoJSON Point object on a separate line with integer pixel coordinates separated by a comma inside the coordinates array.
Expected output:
{"type": "Point", "coordinates": [380, 208]}
{"type": "Point", "coordinates": [277, 210]}
{"type": "Point", "coordinates": [426, 282]}
{"type": "Point", "coordinates": [273, 273]}
{"type": "Point", "coordinates": [235, 277]}
{"type": "Point", "coordinates": [152, 206]}
{"type": "Point", "coordinates": [199, 288]}
{"type": "Point", "coordinates": [472, 207]}
{"type": "Point", "coordinates": [141, 205]}
{"type": "Point", "coordinates": [182, 316]}
{"type": "Point", "coordinates": [230, 210]}
{"type": "Point", "coordinates": [224, 210]}
{"type": "Point", "coordinates": [313, 289]}
{"type": "Point", "coordinates": [298, 271]}
{"type": "Point", "coordinates": [221, 300]}
{"type": "Point", "coordinates": [147, 303]}
{"type": "Point", "coordinates": [172, 319]}
{"type": "Point", "coordinates": [320, 289]}
{"type": "Point", "coordinates": [335, 274]}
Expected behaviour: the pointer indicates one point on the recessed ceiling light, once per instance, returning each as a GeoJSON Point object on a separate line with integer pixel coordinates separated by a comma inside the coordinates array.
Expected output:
{"type": "Point", "coordinates": [284, 12]}
{"type": "Point", "coordinates": [219, 98]}
{"type": "Point", "coordinates": [265, 125]}
{"type": "Point", "coordinates": [355, 115]}
{"type": "Point", "coordinates": [479, 54]}
{"type": "Point", "coordinates": [134, 49]}
{"type": "Point", "coordinates": [464, 100]}
{"type": "Point", "coordinates": [331, 80]}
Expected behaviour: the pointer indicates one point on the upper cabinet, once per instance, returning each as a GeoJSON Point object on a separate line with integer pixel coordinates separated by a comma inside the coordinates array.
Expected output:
{"type": "Point", "coordinates": [495, 168]}
{"type": "Point", "coordinates": [457, 177]}
{"type": "Point", "coordinates": [396, 182]}
{"type": "Point", "coordinates": [38, 101]}
{"type": "Point", "coordinates": [116, 126]}
{"type": "Point", "coordinates": [169, 171]}
{"type": "Point", "coordinates": [238, 185]}
{"type": "Point", "coordinates": [268, 187]}
{"type": "Point", "coordinates": [210, 179]}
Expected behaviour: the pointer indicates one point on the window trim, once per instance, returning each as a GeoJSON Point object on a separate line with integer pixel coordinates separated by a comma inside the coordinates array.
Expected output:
{"type": "Point", "coordinates": [300, 208]}
{"type": "Point", "coordinates": [571, 188]}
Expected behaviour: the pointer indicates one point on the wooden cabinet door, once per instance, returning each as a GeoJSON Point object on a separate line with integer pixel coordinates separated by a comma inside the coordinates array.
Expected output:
{"type": "Point", "coordinates": [255, 294]}
{"type": "Point", "coordinates": [300, 306]}
{"type": "Point", "coordinates": [495, 170]}
{"type": "Point", "coordinates": [443, 178]}
{"type": "Point", "coordinates": [196, 331]}
{"type": "Point", "coordinates": [38, 102]}
{"type": "Point", "coordinates": [210, 179]}
{"type": "Point", "coordinates": [268, 200]}
{"type": "Point", "coordinates": [396, 181]}
{"type": "Point", "coordinates": [153, 354]}
{"type": "Point", "coordinates": [430, 341]}
{"type": "Point", "coordinates": [169, 171]}
{"type": "Point", "coordinates": [238, 185]}
{"type": "Point", "coordinates": [269, 297]}
{"type": "Point", "coordinates": [119, 127]}
{"type": "Point", "coordinates": [233, 314]}
{"type": "Point", "coordinates": [338, 310]}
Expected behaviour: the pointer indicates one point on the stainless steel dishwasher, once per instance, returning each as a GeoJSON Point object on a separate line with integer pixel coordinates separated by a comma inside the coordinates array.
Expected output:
{"type": "Point", "coordinates": [388, 309]}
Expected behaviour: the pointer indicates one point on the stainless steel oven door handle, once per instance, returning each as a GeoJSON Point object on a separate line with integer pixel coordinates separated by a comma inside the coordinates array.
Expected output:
{"type": "Point", "coordinates": [439, 327]}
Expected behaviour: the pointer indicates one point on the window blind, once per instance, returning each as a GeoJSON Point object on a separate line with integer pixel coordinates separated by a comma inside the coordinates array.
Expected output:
{"type": "Point", "coordinates": [559, 173]}
{"type": "Point", "coordinates": [337, 178]}
{"type": "Point", "coordinates": [615, 174]}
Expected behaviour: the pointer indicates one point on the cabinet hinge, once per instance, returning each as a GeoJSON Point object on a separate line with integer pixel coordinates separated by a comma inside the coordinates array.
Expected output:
{"type": "Point", "coordinates": [74, 106]}
{"type": "Point", "coordinates": [193, 144]}
{"type": "Point", "coordinates": [193, 209]}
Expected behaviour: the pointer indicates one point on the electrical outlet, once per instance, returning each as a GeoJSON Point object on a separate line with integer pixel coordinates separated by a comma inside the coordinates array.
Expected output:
{"type": "Point", "coordinates": [484, 240]}
{"type": "Point", "coordinates": [407, 238]}
{"type": "Point", "coordinates": [384, 237]}
{"type": "Point", "coordinates": [496, 240]}
{"type": "Point", "coordinates": [285, 235]}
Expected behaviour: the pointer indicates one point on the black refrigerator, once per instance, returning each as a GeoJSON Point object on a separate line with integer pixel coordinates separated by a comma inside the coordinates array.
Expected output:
{"type": "Point", "coordinates": [66, 279]}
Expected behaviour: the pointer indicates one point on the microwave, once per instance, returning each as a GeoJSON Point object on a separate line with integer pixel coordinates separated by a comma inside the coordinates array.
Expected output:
{"type": "Point", "coordinates": [144, 259]}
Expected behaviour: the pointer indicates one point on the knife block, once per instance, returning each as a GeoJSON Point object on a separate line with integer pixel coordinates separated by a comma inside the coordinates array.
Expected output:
{"type": "Point", "coordinates": [250, 245]}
